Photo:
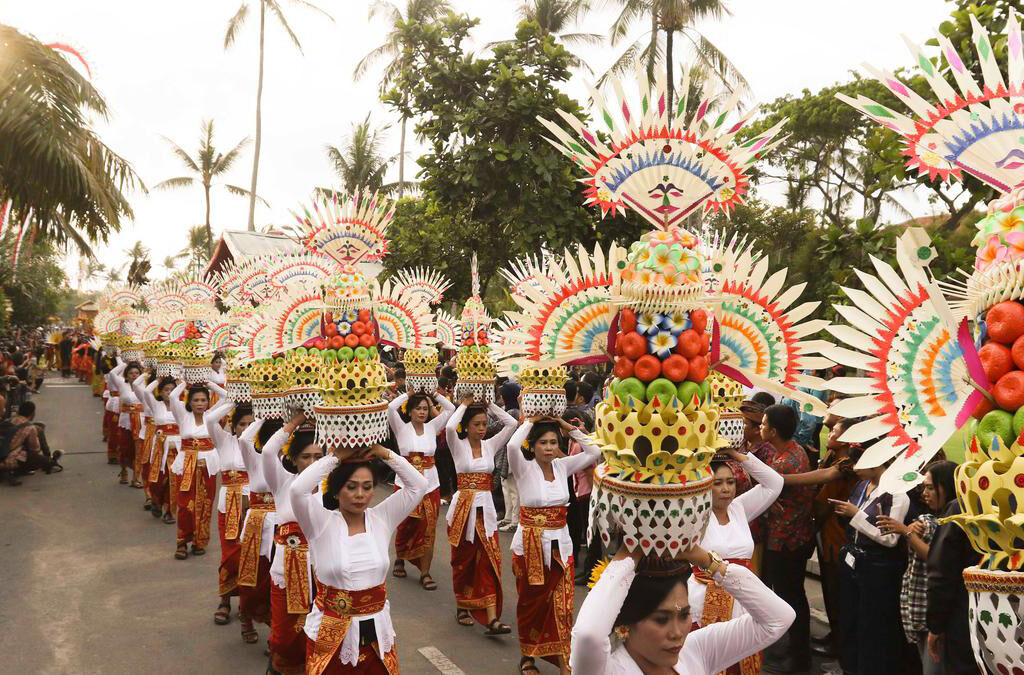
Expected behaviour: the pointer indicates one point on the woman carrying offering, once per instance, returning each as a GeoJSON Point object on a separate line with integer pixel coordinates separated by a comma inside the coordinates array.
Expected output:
{"type": "Point", "coordinates": [544, 577]}
{"type": "Point", "coordinates": [234, 487]}
{"type": "Point", "coordinates": [416, 421]}
{"type": "Point", "coordinates": [728, 533]}
{"type": "Point", "coordinates": [129, 420]}
{"type": "Point", "coordinates": [162, 449]}
{"type": "Point", "coordinates": [147, 435]}
{"type": "Point", "coordinates": [257, 536]}
{"type": "Point", "coordinates": [290, 573]}
{"type": "Point", "coordinates": [196, 467]}
{"type": "Point", "coordinates": [645, 604]}
{"type": "Point", "coordinates": [349, 628]}
{"type": "Point", "coordinates": [472, 520]}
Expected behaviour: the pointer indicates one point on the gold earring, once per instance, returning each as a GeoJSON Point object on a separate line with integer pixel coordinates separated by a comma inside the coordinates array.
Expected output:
{"type": "Point", "coordinates": [622, 632]}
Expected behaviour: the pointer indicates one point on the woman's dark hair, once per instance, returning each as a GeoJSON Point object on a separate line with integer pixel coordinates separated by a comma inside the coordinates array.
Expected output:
{"type": "Point", "coordinates": [192, 391]}
{"type": "Point", "coordinates": [467, 417]}
{"type": "Point", "coordinates": [216, 355]}
{"type": "Point", "coordinates": [444, 383]}
{"type": "Point", "coordinates": [337, 479]}
{"type": "Point", "coordinates": [718, 464]}
{"type": "Point", "coordinates": [300, 441]}
{"type": "Point", "coordinates": [540, 429]}
{"type": "Point", "coordinates": [241, 410]}
{"type": "Point", "coordinates": [764, 398]}
{"type": "Point", "coordinates": [944, 479]}
{"type": "Point", "coordinates": [646, 593]}
{"type": "Point", "coordinates": [413, 401]}
{"type": "Point", "coordinates": [164, 381]}
{"type": "Point", "coordinates": [133, 364]}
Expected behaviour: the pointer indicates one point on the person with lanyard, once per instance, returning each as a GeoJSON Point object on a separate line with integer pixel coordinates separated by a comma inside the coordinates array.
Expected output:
{"type": "Point", "coordinates": [644, 603]}
{"type": "Point", "coordinates": [349, 627]}
{"type": "Point", "coordinates": [163, 448]}
{"type": "Point", "coordinates": [231, 498]}
{"type": "Point", "coordinates": [728, 533]}
{"type": "Point", "coordinates": [129, 420]}
{"type": "Point", "coordinates": [541, 547]}
{"type": "Point", "coordinates": [473, 521]}
{"type": "Point", "coordinates": [257, 536]}
{"type": "Point", "coordinates": [871, 567]}
{"type": "Point", "coordinates": [416, 420]}
{"type": "Point", "coordinates": [196, 467]}
{"type": "Point", "coordinates": [291, 574]}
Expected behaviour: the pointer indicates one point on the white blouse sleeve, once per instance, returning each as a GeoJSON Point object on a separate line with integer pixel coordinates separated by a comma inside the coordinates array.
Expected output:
{"type": "Point", "coordinates": [589, 455]}
{"type": "Point", "coordinates": [140, 393]}
{"type": "Point", "coordinates": [720, 645]}
{"type": "Point", "coordinates": [212, 419]}
{"type": "Point", "coordinates": [455, 444]}
{"type": "Point", "coordinates": [216, 389]}
{"type": "Point", "coordinates": [500, 439]}
{"type": "Point", "coordinates": [274, 473]}
{"type": "Point", "coordinates": [177, 407]}
{"type": "Point", "coordinates": [769, 486]}
{"type": "Point", "coordinates": [516, 460]}
{"type": "Point", "coordinates": [860, 522]}
{"type": "Point", "coordinates": [150, 398]}
{"type": "Point", "coordinates": [591, 645]}
{"type": "Point", "coordinates": [447, 408]}
{"type": "Point", "coordinates": [400, 504]}
{"type": "Point", "coordinates": [250, 457]}
{"type": "Point", "coordinates": [309, 510]}
{"type": "Point", "coordinates": [394, 417]}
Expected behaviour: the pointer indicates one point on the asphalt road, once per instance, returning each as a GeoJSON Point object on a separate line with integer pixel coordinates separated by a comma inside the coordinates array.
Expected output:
{"type": "Point", "coordinates": [90, 584]}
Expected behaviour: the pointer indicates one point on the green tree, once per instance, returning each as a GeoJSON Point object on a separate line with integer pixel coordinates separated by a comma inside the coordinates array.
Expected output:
{"type": "Point", "coordinates": [36, 287]}
{"type": "Point", "coordinates": [53, 162]}
{"type": "Point", "coordinates": [234, 25]}
{"type": "Point", "coordinates": [139, 264]}
{"type": "Point", "coordinates": [416, 12]}
{"type": "Point", "coordinates": [359, 164]}
{"type": "Point", "coordinates": [196, 251]}
{"type": "Point", "coordinates": [490, 182]}
{"type": "Point", "coordinates": [557, 18]}
{"type": "Point", "coordinates": [207, 165]}
{"type": "Point", "coordinates": [669, 20]}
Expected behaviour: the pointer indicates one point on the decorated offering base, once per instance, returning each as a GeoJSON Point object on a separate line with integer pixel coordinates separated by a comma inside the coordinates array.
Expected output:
{"type": "Point", "coordinates": [345, 383]}
{"type": "Point", "coordinates": [420, 369]}
{"type": "Point", "coordinates": [265, 376]}
{"type": "Point", "coordinates": [543, 391]}
{"type": "Point", "coordinates": [358, 426]}
{"type": "Point", "coordinates": [302, 399]}
{"type": "Point", "coordinates": [239, 391]}
{"type": "Point", "coordinates": [268, 405]}
{"type": "Point", "coordinates": [131, 354]}
{"type": "Point", "coordinates": [196, 373]}
{"type": "Point", "coordinates": [482, 391]}
{"type": "Point", "coordinates": [414, 383]}
{"type": "Point", "coordinates": [996, 616]}
{"type": "Point", "coordinates": [302, 368]}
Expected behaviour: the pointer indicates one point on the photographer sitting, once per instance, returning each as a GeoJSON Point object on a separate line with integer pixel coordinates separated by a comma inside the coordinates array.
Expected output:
{"type": "Point", "coordinates": [23, 446]}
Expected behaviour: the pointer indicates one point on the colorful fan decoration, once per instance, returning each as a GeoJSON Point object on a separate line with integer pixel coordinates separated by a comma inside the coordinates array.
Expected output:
{"type": "Point", "coordinates": [255, 284]}
{"type": "Point", "coordinates": [427, 284]}
{"type": "Point", "coordinates": [307, 267]}
{"type": "Point", "coordinates": [403, 316]}
{"type": "Point", "coordinates": [761, 331]}
{"type": "Point", "coordinates": [659, 162]}
{"type": "Point", "coordinates": [916, 354]}
{"type": "Point", "coordinates": [229, 283]}
{"type": "Point", "coordinates": [255, 339]}
{"type": "Point", "coordinates": [127, 296]}
{"type": "Point", "coordinates": [167, 297]}
{"type": "Point", "coordinates": [176, 328]}
{"type": "Point", "coordinates": [525, 272]}
{"type": "Point", "coordinates": [447, 330]}
{"type": "Point", "coordinates": [197, 292]}
{"type": "Point", "coordinates": [151, 326]}
{"type": "Point", "coordinates": [348, 229]}
{"type": "Point", "coordinates": [294, 317]}
{"type": "Point", "coordinates": [217, 334]}
{"type": "Point", "coordinates": [979, 130]}
{"type": "Point", "coordinates": [565, 314]}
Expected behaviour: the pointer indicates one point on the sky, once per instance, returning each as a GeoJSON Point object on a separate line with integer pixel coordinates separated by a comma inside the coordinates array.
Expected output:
{"type": "Point", "coordinates": [162, 69]}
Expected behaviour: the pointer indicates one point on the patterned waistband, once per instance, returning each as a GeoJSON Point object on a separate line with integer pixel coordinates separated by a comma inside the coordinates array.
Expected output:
{"type": "Point", "coordinates": [421, 461]}
{"type": "Point", "coordinates": [290, 535]}
{"type": "Point", "coordinates": [544, 518]}
{"type": "Point", "coordinates": [475, 481]}
{"type": "Point", "coordinates": [168, 429]}
{"type": "Point", "coordinates": [234, 478]}
{"type": "Point", "coordinates": [196, 444]}
{"type": "Point", "coordinates": [261, 500]}
{"type": "Point", "coordinates": [351, 603]}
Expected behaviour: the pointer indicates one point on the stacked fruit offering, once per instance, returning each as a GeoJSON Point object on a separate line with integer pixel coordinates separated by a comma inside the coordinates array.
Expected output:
{"type": "Point", "coordinates": [1002, 357]}
{"type": "Point", "coordinates": [661, 357]}
{"type": "Point", "coordinates": [420, 369]}
{"type": "Point", "coordinates": [473, 362]}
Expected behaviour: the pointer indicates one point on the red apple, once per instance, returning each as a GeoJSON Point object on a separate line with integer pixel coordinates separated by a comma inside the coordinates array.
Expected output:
{"type": "Point", "coordinates": [698, 371]}
{"type": "Point", "coordinates": [1005, 322]}
{"type": "Point", "coordinates": [1009, 391]}
{"type": "Point", "coordinates": [688, 344]}
{"type": "Point", "coordinates": [700, 320]}
{"type": "Point", "coordinates": [1017, 352]}
{"type": "Point", "coordinates": [996, 360]}
{"type": "Point", "coordinates": [984, 408]}
{"type": "Point", "coordinates": [675, 368]}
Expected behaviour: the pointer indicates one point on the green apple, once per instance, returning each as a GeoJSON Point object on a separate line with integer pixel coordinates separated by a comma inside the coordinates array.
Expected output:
{"type": "Point", "coordinates": [705, 390]}
{"type": "Point", "coordinates": [279, 360]}
{"type": "Point", "coordinates": [1018, 422]}
{"type": "Point", "coordinates": [345, 354]}
{"type": "Point", "coordinates": [362, 354]}
{"type": "Point", "coordinates": [631, 386]}
{"type": "Point", "coordinates": [663, 388]}
{"type": "Point", "coordinates": [686, 391]}
{"type": "Point", "coordinates": [301, 351]}
{"type": "Point", "coordinates": [330, 356]}
{"type": "Point", "coordinates": [373, 352]}
{"type": "Point", "coordinates": [995, 423]}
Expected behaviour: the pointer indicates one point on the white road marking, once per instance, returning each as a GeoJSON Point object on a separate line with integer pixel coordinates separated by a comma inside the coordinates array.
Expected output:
{"type": "Point", "coordinates": [440, 661]}
{"type": "Point", "coordinates": [64, 386]}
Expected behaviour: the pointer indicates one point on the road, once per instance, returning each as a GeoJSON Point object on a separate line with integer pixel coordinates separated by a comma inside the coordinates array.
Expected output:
{"type": "Point", "coordinates": [91, 586]}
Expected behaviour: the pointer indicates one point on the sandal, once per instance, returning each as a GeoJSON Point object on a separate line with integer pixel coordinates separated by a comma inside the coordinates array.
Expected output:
{"type": "Point", "coordinates": [528, 665]}
{"type": "Point", "coordinates": [399, 570]}
{"type": "Point", "coordinates": [463, 617]}
{"type": "Point", "coordinates": [147, 505]}
{"type": "Point", "coordinates": [222, 616]}
{"type": "Point", "coordinates": [155, 511]}
{"type": "Point", "coordinates": [136, 484]}
{"type": "Point", "coordinates": [198, 550]}
{"type": "Point", "coordinates": [496, 627]}
{"type": "Point", "coordinates": [427, 582]}
{"type": "Point", "coordinates": [123, 479]}
{"type": "Point", "coordinates": [181, 552]}
{"type": "Point", "coordinates": [249, 634]}
{"type": "Point", "coordinates": [168, 517]}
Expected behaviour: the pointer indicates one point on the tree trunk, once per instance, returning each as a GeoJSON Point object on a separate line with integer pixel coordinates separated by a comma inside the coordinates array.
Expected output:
{"type": "Point", "coordinates": [401, 158]}
{"type": "Point", "coordinates": [209, 230]}
{"type": "Point", "coordinates": [259, 125]}
{"type": "Point", "coordinates": [669, 38]}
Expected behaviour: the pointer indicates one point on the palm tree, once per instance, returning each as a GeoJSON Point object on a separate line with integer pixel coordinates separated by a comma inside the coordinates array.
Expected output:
{"type": "Point", "coordinates": [53, 163]}
{"type": "Point", "coordinates": [138, 269]}
{"type": "Point", "coordinates": [555, 17]}
{"type": "Point", "coordinates": [113, 274]}
{"type": "Point", "coordinates": [234, 25]}
{"type": "Point", "coordinates": [359, 164]}
{"type": "Point", "coordinates": [670, 19]}
{"type": "Point", "coordinates": [416, 11]}
{"type": "Point", "coordinates": [169, 264]}
{"type": "Point", "coordinates": [207, 164]}
{"type": "Point", "coordinates": [197, 250]}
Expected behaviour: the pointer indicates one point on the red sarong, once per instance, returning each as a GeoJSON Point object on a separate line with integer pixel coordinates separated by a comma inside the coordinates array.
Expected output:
{"type": "Point", "coordinates": [370, 662]}
{"type": "Point", "coordinates": [109, 420]}
{"type": "Point", "coordinates": [230, 549]}
{"type": "Point", "coordinates": [415, 535]}
{"type": "Point", "coordinates": [142, 457]}
{"type": "Point", "coordinates": [544, 611]}
{"type": "Point", "coordinates": [287, 641]}
{"type": "Point", "coordinates": [254, 601]}
{"type": "Point", "coordinates": [195, 507]}
{"type": "Point", "coordinates": [125, 447]}
{"type": "Point", "coordinates": [476, 573]}
{"type": "Point", "coordinates": [339, 606]}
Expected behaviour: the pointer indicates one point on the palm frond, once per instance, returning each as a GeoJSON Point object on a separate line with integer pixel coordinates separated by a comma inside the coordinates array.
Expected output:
{"type": "Point", "coordinates": [632, 10]}
{"type": "Point", "coordinates": [185, 158]}
{"type": "Point", "coordinates": [242, 192]}
{"type": "Point", "coordinates": [276, 9]}
{"type": "Point", "coordinates": [174, 183]}
{"type": "Point", "coordinates": [310, 5]}
{"type": "Point", "coordinates": [591, 39]}
{"type": "Point", "coordinates": [225, 161]}
{"type": "Point", "coordinates": [235, 24]}
{"type": "Point", "coordinates": [376, 54]}
{"type": "Point", "coordinates": [717, 62]}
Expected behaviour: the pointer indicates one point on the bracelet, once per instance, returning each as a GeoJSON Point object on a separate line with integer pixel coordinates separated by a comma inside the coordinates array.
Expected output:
{"type": "Point", "coordinates": [715, 566]}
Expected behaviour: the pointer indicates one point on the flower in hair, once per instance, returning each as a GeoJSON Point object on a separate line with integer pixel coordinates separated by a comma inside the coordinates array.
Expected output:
{"type": "Point", "coordinates": [596, 572]}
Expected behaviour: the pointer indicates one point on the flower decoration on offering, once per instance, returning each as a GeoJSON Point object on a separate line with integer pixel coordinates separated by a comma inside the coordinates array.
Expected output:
{"type": "Point", "coordinates": [420, 369]}
{"type": "Point", "coordinates": [309, 268]}
{"type": "Point", "coordinates": [447, 330]}
{"type": "Point", "coordinates": [473, 362]}
{"type": "Point", "coordinates": [948, 375]}
{"type": "Point", "coordinates": [347, 229]}
{"type": "Point", "coordinates": [659, 426]}
{"type": "Point", "coordinates": [425, 284]}
{"type": "Point", "coordinates": [662, 163]}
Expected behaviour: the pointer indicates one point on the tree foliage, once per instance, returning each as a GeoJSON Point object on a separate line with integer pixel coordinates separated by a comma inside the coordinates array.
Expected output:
{"type": "Point", "coordinates": [37, 287]}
